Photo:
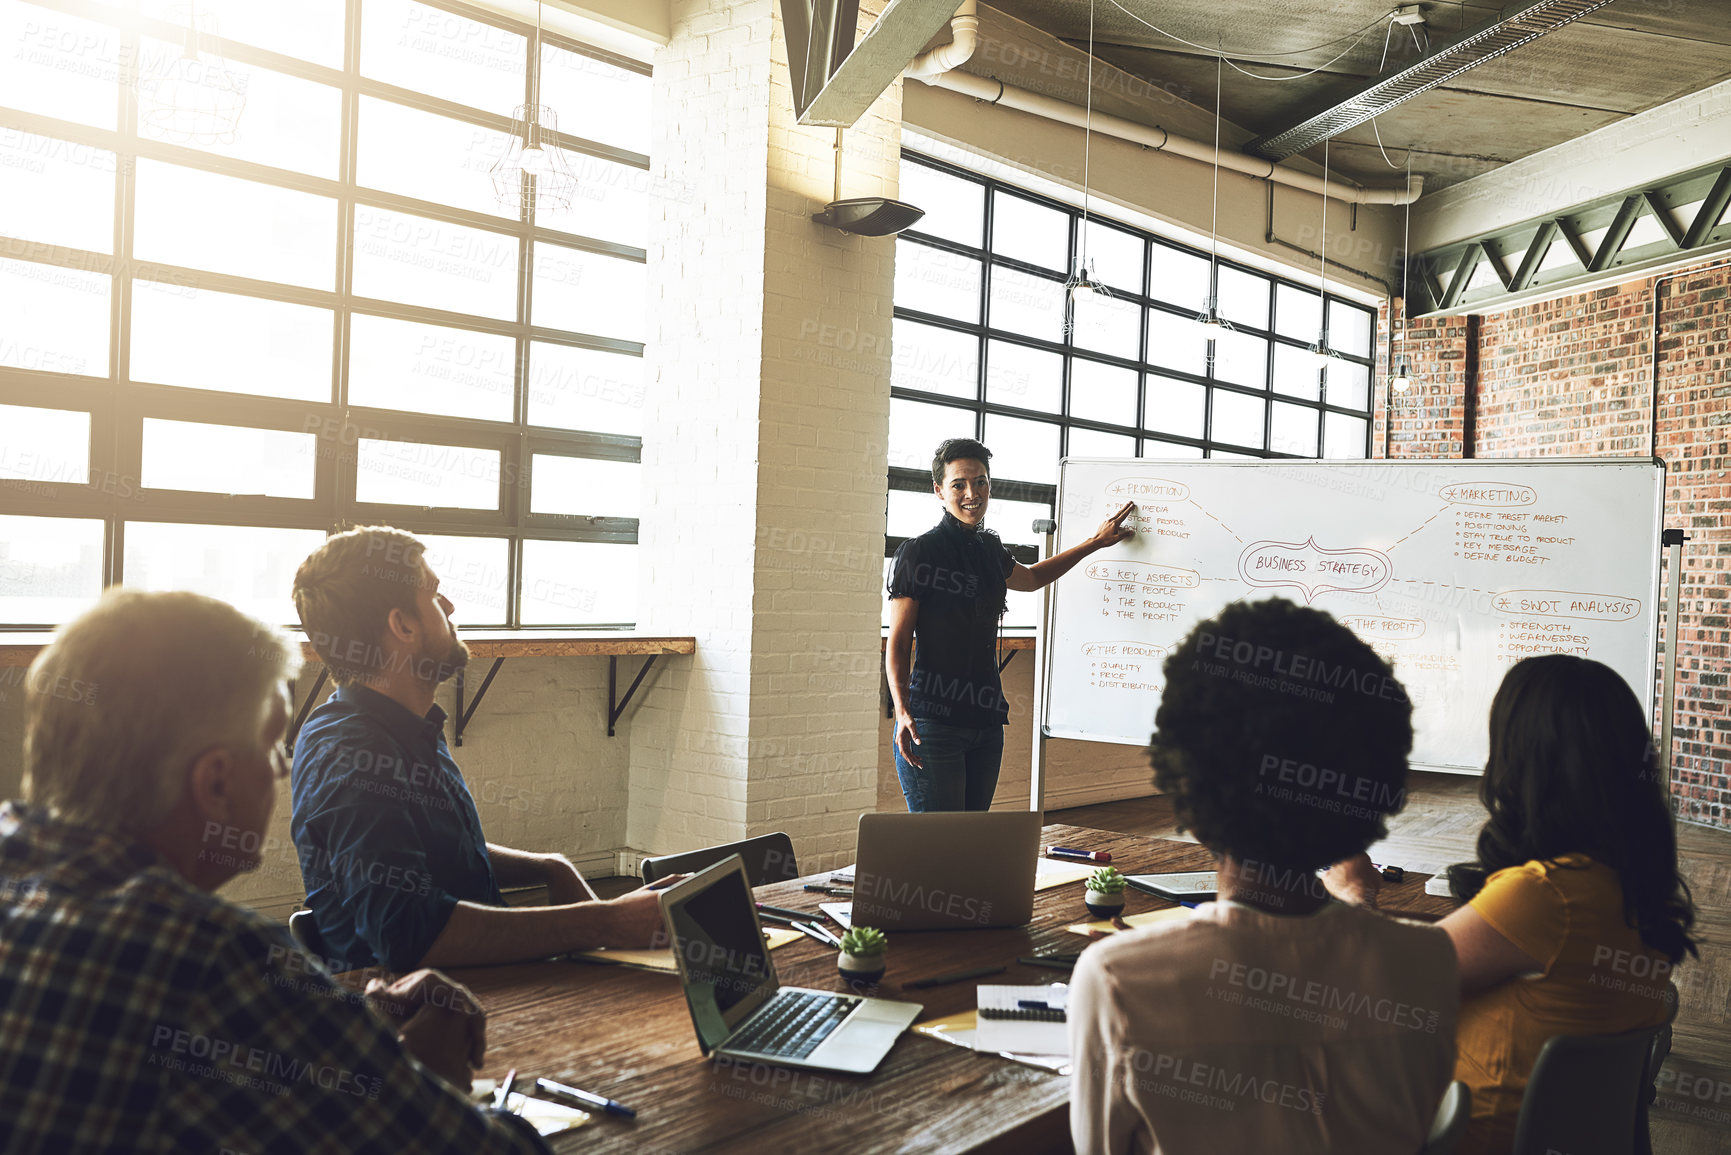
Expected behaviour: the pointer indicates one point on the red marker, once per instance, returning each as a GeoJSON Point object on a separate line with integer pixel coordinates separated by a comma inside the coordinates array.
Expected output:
{"type": "Point", "coordinates": [1078, 855]}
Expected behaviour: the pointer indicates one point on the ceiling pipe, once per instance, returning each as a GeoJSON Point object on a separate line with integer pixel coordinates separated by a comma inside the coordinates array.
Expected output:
{"type": "Point", "coordinates": [939, 69]}
{"type": "Point", "coordinates": [965, 34]}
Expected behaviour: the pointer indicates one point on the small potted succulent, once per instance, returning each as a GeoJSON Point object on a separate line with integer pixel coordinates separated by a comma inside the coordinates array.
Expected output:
{"type": "Point", "coordinates": [862, 954]}
{"type": "Point", "coordinates": [1104, 896]}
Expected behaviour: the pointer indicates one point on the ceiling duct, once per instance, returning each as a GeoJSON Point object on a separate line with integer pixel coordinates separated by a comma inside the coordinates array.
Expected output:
{"type": "Point", "coordinates": [1514, 27]}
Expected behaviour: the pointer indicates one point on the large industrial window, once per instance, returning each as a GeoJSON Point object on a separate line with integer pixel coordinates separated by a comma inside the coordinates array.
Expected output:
{"type": "Point", "coordinates": [254, 281]}
{"type": "Point", "coordinates": [982, 349]}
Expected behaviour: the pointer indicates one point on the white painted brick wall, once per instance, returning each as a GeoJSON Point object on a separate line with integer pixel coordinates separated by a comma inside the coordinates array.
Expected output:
{"type": "Point", "coordinates": [697, 550]}
{"type": "Point", "coordinates": [536, 756]}
{"type": "Point", "coordinates": [766, 531]}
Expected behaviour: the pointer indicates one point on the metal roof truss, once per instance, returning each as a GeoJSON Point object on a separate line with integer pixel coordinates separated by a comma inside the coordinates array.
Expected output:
{"type": "Point", "coordinates": [1628, 231]}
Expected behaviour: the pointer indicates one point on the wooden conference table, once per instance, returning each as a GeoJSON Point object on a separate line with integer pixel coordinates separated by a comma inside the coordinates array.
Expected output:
{"type": "Point", "coordinates": [626, 1034]}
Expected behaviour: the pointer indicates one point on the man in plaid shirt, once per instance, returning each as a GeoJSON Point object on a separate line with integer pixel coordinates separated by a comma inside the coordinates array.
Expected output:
{"type": "Point", "coordinates": [140, 1012]}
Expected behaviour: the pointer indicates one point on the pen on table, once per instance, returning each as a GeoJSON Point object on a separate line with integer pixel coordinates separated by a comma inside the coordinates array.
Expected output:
{"type": "Point", "coordinates": [1056, 962]}
{"type": "Point", "coordinates": [772, 916]}
{"type": "Point", "coordinates": [783, 911]}
{"type": "Point", "coordinates": [822, 932]}
{"type": "Point", "coordinates": [1079, 855]}
{"type": "Point", "coordinates": [587, 1098]}
{"type": "Point", "coordinates": [504, 1097]}
{"type": "Point", "coordinates": [808, 932]}
{"type": "Point", "coordinates": [837, 891]}
{"type": "Point", "coordinates": [959, 976]}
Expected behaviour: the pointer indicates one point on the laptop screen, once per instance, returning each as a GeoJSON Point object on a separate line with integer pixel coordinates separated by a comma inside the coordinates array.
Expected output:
{"type": "Point", "coordinates": [724, 957]}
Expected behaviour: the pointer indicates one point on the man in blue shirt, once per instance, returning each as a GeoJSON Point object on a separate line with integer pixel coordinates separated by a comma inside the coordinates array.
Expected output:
{"type": "Point", "coordinates": [396, 867]}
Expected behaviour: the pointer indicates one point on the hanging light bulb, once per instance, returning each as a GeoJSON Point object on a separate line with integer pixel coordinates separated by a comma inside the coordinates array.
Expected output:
{"type": "Point", "coordinates": [1400, 375]}
{"type": "Point", "coordinates": [1213, 324]}
{"type": "Point", "coordinates": [1399, 364]}
{"type": "Point", "coordinates": [530, 174]}
{"type": "Point", "coordinates": [1320, 350]}
{"type": "Point", "coordinates": [534, 160]}
{"type": "Point", "coordinates": [1082, 284]}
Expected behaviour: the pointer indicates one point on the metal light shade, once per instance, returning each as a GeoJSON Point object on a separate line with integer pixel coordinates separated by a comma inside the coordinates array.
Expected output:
{"type": "Point", "coordinates": [191, 97]}
{"type": "Point", "coordinates": [1324, 355]}
{"type": "Point", "coordinates": [532, 168]}
{"type": "Point", "coordinates": [1211, 320]}
{"type": "Point", "coordinates": [869, 216]}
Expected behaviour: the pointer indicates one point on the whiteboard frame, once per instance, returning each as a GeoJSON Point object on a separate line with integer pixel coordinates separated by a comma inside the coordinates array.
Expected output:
{"type": "Point", "coordinates": [1645, 691]}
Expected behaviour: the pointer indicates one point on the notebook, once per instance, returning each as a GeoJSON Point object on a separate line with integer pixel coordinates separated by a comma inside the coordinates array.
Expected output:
{"type": "Point", "coordinates": [1023, 1019]}
{"type": "Point", "coordinates": [960, 1030]}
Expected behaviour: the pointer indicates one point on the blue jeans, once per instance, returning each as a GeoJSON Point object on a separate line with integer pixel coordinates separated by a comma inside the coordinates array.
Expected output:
{"type": "Point", "coordinates": [961, 767]}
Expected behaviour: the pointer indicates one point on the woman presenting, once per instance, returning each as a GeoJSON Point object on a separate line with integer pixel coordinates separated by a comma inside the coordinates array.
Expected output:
{"type": "Point", "coordinates": [947, 589]}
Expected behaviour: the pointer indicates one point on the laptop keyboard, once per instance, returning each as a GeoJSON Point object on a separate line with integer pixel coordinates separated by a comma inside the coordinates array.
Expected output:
{"type": "Point", "coordinates": [793, 1024]}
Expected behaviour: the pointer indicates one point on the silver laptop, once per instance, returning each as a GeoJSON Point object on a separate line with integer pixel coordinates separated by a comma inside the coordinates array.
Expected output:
{"type": "Point", "coordinates": [950, 870]}
{"type": "Point", "coordinates": [739, 1007]}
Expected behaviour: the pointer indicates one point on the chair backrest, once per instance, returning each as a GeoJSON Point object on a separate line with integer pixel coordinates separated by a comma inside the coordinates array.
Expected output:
{"type": "Point", "coordinates": [1587, 1094]}
{"type": "Point", "coordinates": [306, 932]}
{"type": "Point", "coordinates": [768, 858]}
{"type": "Point", "coordinates": [1451, 1120]}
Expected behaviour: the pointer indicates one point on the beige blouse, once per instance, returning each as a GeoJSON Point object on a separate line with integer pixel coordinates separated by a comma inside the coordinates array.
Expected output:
{"type": "Point", "coordinates": [1239, 1030]}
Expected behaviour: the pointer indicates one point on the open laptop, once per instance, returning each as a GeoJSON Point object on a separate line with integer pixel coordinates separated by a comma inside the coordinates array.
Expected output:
{"type": "Point", "coordinates": [739, 1007]}
{"type": "Point", "coordinates": [943, 870]}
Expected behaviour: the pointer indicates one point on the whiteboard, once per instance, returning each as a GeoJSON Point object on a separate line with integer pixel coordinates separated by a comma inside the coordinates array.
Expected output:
{"type": "Point", "coordinates": [1451, 570]}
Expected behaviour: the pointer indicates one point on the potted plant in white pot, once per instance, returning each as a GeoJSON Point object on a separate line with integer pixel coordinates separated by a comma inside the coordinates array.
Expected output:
{"type": "Point", "coordinates": [862, 954]}
{"type": "Point", "coordinates": [1104, 896]}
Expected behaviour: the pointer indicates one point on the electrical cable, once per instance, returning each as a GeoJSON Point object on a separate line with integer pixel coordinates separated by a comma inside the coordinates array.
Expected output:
{"type": "Point", "coordinates": [1357, 37]}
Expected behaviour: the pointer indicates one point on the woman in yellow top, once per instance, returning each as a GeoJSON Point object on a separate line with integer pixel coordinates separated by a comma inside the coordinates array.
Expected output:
{"type": "Point", "coordinates": [1575, 912]}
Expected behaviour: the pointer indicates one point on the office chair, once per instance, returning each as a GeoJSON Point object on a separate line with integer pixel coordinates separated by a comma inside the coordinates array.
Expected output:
{"type": "Point", "coordinates": [306, 933]}
{"type": "Point", "coordinates": [1451, 1120]}
{"type": "Point", "coordinates": [1588, 1095]}
{"type": "Point", "coordinates": [768, 858]}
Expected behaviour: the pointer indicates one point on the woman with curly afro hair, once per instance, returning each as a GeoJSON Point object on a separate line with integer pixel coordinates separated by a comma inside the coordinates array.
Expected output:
{"type": "Point", "coordinates": [1273, 1019]}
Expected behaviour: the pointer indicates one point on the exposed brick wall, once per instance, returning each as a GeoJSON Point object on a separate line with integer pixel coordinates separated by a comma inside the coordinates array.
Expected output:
{"type": "Point", "coordinates": [1428, 420]}
{"type": "Point", "coordinates": [1573, 377]}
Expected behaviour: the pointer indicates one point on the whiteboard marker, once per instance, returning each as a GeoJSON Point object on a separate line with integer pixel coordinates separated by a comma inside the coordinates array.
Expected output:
{"type": "Point", "coordinates": [1079, 855]}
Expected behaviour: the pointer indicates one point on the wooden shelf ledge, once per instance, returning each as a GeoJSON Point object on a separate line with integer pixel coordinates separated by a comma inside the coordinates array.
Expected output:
{"type": "Point", "coordinates": [20, 649]}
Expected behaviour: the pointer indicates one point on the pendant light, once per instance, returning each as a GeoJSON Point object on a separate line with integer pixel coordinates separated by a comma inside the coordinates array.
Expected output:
{"type": "Point", "coordinates": [1399, 365]}
{"type": "Point", "coordinates": [191, 98]}
{"type": "Point", "coordinates": [1082, 282]}
{"type": "Point", "coordinates": [533, 172]}
{"type": "Point", "coordinates": [1213, 324]}
{"type": "Point", "coordinates": [1324, 355]}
